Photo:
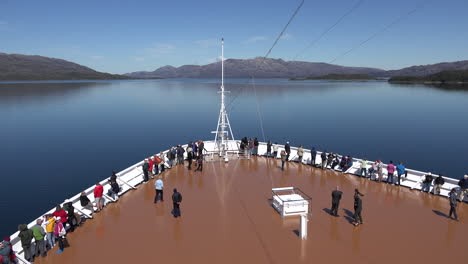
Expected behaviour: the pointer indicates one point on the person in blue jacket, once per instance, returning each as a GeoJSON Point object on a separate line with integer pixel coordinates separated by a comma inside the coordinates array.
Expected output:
{"type": "Point", "coordinates": [400, 168]}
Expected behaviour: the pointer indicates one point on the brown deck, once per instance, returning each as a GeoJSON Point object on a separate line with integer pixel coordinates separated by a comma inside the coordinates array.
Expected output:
{"type": "Point", "coordinates": [227, 218]}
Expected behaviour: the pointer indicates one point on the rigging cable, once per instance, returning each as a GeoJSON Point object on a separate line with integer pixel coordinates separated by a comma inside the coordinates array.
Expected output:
{"type": "Point", "coordinates": [351, 10]}
{"type": "Point", "coordinates": [385, 28]}
{"type": "Point", "coordinates": [269, 51]}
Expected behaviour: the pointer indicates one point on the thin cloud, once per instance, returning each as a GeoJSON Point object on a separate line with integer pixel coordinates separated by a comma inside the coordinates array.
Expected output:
{"type": "Point", "coordinates": [255, 39]}
{"type": "Point", "coordinates": [287, 36]}
{"type": "Point", "coordinates": [206, 43]}
{"type": "Point", "coordinates": [160, 49]}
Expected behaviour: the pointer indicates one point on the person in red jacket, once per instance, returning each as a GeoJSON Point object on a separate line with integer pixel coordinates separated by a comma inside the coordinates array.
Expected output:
{"type": "Point", "coordinates": [150, 169]}
{"type": "Point", "coordinates": [59, 212]}
{"type": "Point", "coordinates": [98, 191]}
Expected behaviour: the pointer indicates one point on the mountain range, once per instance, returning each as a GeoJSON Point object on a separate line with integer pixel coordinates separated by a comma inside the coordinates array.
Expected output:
{"type": "Point", "coordinates": [17, 67]}
{"type": "Point", "coordinates": [278, 68]}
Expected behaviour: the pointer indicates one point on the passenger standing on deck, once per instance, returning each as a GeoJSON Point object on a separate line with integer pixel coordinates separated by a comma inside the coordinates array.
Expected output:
{"type": "Point", "coordinates": [85, 202]}
{"type": "Point", "coordinates": [160, 162]}
{"type": "Point", "coordinates": [336, 197]}
{"type": "Point", "coordinates": [438, 182]}
{"type": "Point", "coordinates": [364, 168]}
{"type": "Point", "coordinates": [300, 153]}
{"type": "Point", "coordinates": [268, 153]}
{"type": "Point", "coordinates": [189, 156]}
{"type": "Point", "coordinates": [283, 158]}
{"type": "Point", "coordinates": [98, 191]}
{"type": "Point", "coordinates": [463, 183]}
{"type": "Point", "coordinates": [323, 156]}
{"type": "Point", "coordinates": [201, 147]}
{"type": "Point", "coordinates": [145, 168]}
{"type": "Point", "coordinates": [313, 155]}
{"type": "Point", "coordinates": [400, 171]}
{"type": "Point", "coordinates": [39, 235]}
{"type": "Point", "coordinates": [287, 148]}
{"type": "Point", "coordinates": [200, 163]}
{"type": "Point", "coordinates": [357, 208]}
{"type": "Point", "coordinates": [26, 236]}
{"type": "Point", "coordinates": [426, 184]}
{"type": "Point", "coordinates": [256, 144]}
{"type": "Point", "coordinates": [59, 232]}
{"type": "Point", "coordinates": [50, 223]}
{"type": "Point", "coordinates": [275, 150]}
{"type": "Point", "coordinates": [159, 185]}
{"type": "Point", "coordinates": [390, 172]}
{"type": "Point", "coordinates": [380, 170]}
{"type": "Point", "coordinates": [251, 146]}
{"type": "Point", "coordinates": [180, 155]}
{"type": "Point", "coordinates": [70, 209]}
{"type": "Point", "coordinates": [344, 160]}
{"type": "Point", "coordinates": [453, 204]}
{"type": "Point", "coordinates": [59, 212]}
{"type": "Point", "coordinates": [330, 158]}
{"type": "Point", "coordinates": [195, 150]}
{"type": "Point", "coordinates": [5, 252]}
{"type": "Point", "coordinates": [335, 162]}
{"type": "Point", "coordinates": [150, 167]}
{"type": "Point", "coordinates": [176, 200]}
{"type": "Point", "coordinates": [173, 156]}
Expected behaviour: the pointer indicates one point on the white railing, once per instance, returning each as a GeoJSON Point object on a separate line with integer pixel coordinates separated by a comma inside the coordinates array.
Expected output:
{"type": "Point", "coordinates": [131, 177]}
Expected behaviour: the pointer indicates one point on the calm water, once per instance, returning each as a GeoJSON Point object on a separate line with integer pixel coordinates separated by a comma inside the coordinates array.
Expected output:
{"type": "Point", "coordinates": [58, 138]}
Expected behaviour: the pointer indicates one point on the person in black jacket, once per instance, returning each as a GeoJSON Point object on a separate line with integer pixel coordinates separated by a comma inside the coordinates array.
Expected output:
{"type": "Point", "coordinates": [324, 159]}
{"type": "Point", "coordinates": [255, 150]}
{"type": "Point", "coordinates": [453, 204]}
{"type": "Point", "coordinates": [336, 197]}
{"type": "Point", "coordinates": [426, 184]}
{"type": "Point", "coordinates": [287, 148]}
{"type": "Point", "coordinates": [85, 202]}
{"type": "Point", "coordinates": [438, 182]}
{"type": "Point", "coordinates": [176, 200]}
{"type": "Point", "coordinates": [357, 208]}
{"type": "Point", "coordinates": [268, 153]}
{"type": "Point", "coordinates": [463, 183]}
{"type": "Point", "coordinates": [313, 154]}
{"type": "Point", "coordinates": [71, 219]}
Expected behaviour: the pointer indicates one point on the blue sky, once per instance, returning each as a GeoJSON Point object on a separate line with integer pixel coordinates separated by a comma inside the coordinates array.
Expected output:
{"type": "Point", "coordinates": [124, 36]}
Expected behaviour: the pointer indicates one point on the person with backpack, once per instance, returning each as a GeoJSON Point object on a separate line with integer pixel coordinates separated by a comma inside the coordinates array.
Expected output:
{"type": "Point", "coordinates": [176, 200]}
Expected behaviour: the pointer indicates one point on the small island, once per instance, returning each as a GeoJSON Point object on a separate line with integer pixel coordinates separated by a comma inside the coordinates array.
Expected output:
{"type": "Point", "coordinates": [338, 77]}
{"type": "Point", "coordinates": [444, 77]}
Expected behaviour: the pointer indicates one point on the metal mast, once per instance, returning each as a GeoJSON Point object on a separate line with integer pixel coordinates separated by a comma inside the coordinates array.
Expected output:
{"type": "Point", "coordinates": [223, 131]}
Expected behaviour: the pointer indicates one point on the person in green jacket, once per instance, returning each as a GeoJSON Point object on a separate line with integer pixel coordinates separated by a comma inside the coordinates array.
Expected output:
{"type": "Point", "coordinates": [26, 236]}
{"type": "Point", "coordinates": [39, 234]}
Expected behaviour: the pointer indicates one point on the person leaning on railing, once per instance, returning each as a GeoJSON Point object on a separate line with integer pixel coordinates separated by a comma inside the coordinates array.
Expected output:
{"type": "Point", "coordinates": [438, 182]}
{"type": "Point", "coordinates": [85, 202]}
{"type": "Point", "coordinates": [463, 183]}
{"type": "Point", "coordinates": [26, 236]}
{"type": "Point", "coordinates": [400, 171]}
{"type": "Point", "coordinates": [426, 184]}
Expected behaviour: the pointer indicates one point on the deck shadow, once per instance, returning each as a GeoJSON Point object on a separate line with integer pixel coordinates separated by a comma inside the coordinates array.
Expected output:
{"type": "Point", "coordinates": [328, 211]}
{"type": "Point", "coordinates": [296, 231]}
{"type": "Point", "coordinates": [349, 216]}
{"type": "Point", "coordinates": [439, 213]}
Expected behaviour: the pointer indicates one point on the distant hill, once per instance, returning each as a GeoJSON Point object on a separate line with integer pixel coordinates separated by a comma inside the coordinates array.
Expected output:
{"type": "Point", "coordinates": [348, 77]}
{"type": "Point", "coordinates": [425, 70]}
{"type": "Point", "coordinates": [441, 77]}
{"type": "Point", "coordinates": [16, 67]}
{"type": "Point", "coordinates": [244, 68]}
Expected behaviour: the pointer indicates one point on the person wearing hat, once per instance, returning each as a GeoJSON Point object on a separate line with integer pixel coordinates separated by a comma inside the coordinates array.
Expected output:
{"type": "Point", "coordinates": [26, 236]}
{"type": "Point", "coordinates": [176, 200]}
{"type": "Point", "coordinates": [426, 184]}
{"type": "Point", "coordinates": [453, 204]}
{"type": "Point", "coordinates": [463, 183]}
{"type": "Point", "coordinates": [39, 235]}
{"type": "Point", "coordinates": [5, 252]}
